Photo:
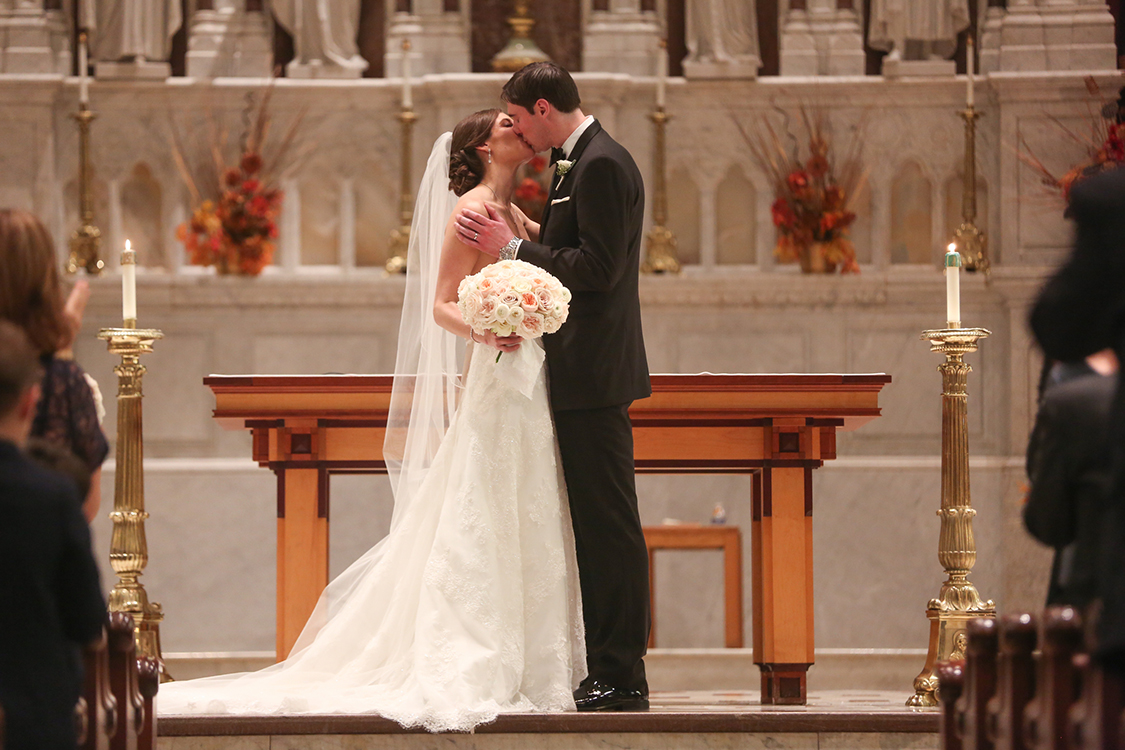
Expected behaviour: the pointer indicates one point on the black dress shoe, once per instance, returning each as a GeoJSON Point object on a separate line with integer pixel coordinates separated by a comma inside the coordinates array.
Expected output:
{"type": "Point", "coordinates": [597, 696]}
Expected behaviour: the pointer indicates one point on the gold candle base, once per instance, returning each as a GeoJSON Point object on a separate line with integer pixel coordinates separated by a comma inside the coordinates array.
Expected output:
{"type": "Point", "coordinates": [958, 600]}
{"type": "Point", "coordinates": [128, 551]}
{"type": "Point", "coordinates": [971, 242]}
{"type": "Point", "coordinates": [86, 240]}
{"type": "Point", "coordinates": [521, 49]}
{"type": "Point", "coordinates": [660, 245]}
{"type": "Point", "coordinates": [400, 238]}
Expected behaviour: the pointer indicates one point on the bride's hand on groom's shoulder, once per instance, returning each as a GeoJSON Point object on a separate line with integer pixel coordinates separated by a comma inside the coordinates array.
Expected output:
{"type": "Point", "coordinates": [485, 233]}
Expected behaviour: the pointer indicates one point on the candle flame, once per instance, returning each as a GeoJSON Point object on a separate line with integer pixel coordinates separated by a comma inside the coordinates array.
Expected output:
{"type": "Point", "coordinates": [128, 247]}
{"type": "Point", "coordinates": [952, 247]}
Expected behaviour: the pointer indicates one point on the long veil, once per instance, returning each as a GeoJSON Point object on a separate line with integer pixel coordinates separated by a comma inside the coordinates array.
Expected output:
{"type": "Point", "coordinates": [428, 365]}
{"type": "Point", "coordinates": [426, 379]}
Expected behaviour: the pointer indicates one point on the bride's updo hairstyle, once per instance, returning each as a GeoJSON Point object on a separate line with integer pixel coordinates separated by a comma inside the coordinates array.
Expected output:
{"type": "Point", "coordinates": [466, 167]}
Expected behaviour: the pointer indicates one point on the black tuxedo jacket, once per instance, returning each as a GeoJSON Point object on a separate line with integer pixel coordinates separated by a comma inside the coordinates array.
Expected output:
{"type": "Point", "coordinates": [1081, 310]}
{"type": "Point", "coordinates": [590, 239]}
{"type": "Point", "coordinates": [50, 602]}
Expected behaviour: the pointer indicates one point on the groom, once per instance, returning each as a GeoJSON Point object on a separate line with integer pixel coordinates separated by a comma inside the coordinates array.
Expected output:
{"type": "Point", "coordinates": [590, 239]}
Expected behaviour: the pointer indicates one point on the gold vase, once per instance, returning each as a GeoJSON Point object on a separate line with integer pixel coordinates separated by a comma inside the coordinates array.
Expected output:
{"type": "Point", "coordinates": [812, 259]}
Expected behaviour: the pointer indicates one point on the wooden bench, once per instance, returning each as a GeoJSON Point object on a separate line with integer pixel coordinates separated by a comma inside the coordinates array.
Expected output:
{"type": "Point", "coordinates": [697, 536]}
{"type": "Point", "coordinates": [116, 710]}
{"type": "Point", "coordinates": [1003, 697]}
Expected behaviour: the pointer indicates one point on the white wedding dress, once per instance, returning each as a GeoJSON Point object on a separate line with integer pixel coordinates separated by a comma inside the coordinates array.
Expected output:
{"type": "Point", "coordinates": [470, 606]}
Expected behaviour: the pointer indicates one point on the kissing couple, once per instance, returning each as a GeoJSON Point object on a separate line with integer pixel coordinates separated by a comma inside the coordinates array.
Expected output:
{"type": "Point", "coordinates": [514, 577]}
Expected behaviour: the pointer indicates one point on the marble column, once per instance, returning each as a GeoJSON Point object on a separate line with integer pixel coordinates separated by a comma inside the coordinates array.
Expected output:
{"type": "Point", "coordinates": [1038, 35]}
{"type": "Point", "coordinates": [621, 38]}
{"type": "Point", "coordinates": [33, 38]}
{"type": "Point", "coordinates": [438, 31]}
{"type": "Point", "coordinates": [229, 38]}
{"type": "Point", "coordinates": [822, 38]}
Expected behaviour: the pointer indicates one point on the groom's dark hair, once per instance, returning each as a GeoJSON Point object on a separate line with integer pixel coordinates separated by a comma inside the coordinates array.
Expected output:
{"type": "Point", "coordinates": [542, 80]}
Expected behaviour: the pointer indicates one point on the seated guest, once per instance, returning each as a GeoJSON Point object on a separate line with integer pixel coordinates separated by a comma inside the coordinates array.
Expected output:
{"type": "Point", "coordinates": [1068, 463]}
{"type": "Point", "coordinates": [31, 297]}
{"type": "Point", "coordinates": [52, 600]}
{"type": "Point", "coordinates": [1081, 310]}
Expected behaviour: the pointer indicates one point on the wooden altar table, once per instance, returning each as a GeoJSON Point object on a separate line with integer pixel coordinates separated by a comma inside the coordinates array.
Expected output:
{"type": "Point", "coordinates": [777, 428]}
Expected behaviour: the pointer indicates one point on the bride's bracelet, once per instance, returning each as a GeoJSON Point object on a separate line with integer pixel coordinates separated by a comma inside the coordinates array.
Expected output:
{"type": "Point", "coordinates": [472, 337]}
{"type": "Point", "coordinates": [508, 252]}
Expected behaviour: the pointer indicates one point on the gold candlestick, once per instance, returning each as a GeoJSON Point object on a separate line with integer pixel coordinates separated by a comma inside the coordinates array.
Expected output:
{"type": "Point", "coordinates": [958, 600]}
{"type": "Point", "coordinates": [971, 242]}
{"type": "Point", "coordinates": [128, 551]}
{"type": "Point", "coordinates": [85, 241]}
{"type": "Point", "coordinates": [400, 238]}
{"type": "Point", "coordinates": [660, 246]}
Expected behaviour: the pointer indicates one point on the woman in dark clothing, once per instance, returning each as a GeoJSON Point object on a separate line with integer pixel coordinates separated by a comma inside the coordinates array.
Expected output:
{"type": "Point", "coordinates": [31, 297]}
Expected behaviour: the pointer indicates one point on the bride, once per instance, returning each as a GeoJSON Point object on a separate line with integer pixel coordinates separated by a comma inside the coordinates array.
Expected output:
{"type": "Point", "coordinates": [470, 606]}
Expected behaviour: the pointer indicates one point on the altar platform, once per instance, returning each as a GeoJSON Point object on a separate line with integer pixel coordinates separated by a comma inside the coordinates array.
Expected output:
{"type": "Point", "coordinates": [690, 720]}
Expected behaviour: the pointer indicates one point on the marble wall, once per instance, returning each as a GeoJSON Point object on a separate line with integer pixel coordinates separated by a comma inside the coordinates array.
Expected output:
{"type": "Point", "coordinates": [327, 307]}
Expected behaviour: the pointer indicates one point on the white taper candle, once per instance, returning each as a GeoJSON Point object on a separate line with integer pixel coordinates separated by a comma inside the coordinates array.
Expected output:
{"type": "Point", "coordinates": [83, 72]}
{"type": "Point", "coordinates": [661, 72]}
{"type": "Point", "coordinates": [128, 283]}
{"type": "Point", "coordinates": [953, 287]}
{"type": "Point", "coordinates": [969, 71]}
{"type": "Point", "coordinates": [407, 99]}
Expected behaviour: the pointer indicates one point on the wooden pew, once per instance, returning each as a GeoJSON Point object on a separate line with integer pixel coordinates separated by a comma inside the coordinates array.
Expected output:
{"type": "Point", "coordinates": [1060, 638]}
{"type": "Point", "coordinates": [116, 710]}
{"type": "Point", "coordinates": [1002, 698]}
{"type": "Point", "coordinates": [1095, 720]}
{"type": "Point", "coordinates": [951, 683]}
{"type": "Point", "coordinates": [123, 682]}
{"type": "Point", "coordinates": [97, 708]}
{"type": "Point", "coordinates": [1015, 682]}
{"type": "Point", "coordinates": [148, 681]}
{"type": "Point", "coordinates": [980, 683]}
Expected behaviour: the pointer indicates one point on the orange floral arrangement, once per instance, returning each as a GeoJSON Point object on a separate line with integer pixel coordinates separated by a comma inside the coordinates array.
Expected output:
{"type": "Point", "coordinates": [234, 224]}
{"type": "Point", "coordinates": [1104, 144]}
{"type": "Point", "coordinates": [531, 188]}
{"type": "Point", "coordinates": [813, 196]}
{"type": "Point", "coordinates": [238, 232]}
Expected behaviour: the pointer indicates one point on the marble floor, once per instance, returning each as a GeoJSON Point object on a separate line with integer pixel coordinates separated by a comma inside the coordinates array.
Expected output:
{"type": "Point", "coordinates": [691, 720]}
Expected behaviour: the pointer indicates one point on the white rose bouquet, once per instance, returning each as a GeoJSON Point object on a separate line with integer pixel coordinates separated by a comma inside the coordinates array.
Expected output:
{"type": "Point", "coordinates": [513, 298]}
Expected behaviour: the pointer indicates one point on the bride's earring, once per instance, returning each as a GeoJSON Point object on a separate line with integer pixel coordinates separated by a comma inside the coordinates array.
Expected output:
{"type": "Point", "coordinates": [489, 156]}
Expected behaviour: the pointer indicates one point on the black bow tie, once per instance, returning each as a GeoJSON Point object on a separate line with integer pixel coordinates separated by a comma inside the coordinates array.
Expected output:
{"type": "Point", "coordinates": [556, 154]}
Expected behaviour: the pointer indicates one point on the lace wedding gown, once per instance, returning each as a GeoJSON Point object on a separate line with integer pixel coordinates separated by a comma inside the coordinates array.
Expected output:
{"type": "Point", "coordinates": [470, 607]}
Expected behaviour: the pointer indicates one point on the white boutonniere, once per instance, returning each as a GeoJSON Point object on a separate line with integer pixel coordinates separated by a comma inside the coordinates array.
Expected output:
{"type": "Point", "coordinates": [562, 166]}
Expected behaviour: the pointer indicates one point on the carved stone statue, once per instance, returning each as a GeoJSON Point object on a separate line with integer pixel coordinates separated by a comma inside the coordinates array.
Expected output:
{"type": "Point", "coordinates": [324, 34]}
{"type": "Point", "coordinates": [132, 31]}
{"type": "Point", "coordinates": [917, 29]}
{"type": "Point", "coordinates": [722, 39]}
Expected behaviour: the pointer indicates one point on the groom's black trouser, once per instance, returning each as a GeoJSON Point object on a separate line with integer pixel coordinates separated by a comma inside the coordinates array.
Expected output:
{"type": "Point", "coordinates": [597, 457]}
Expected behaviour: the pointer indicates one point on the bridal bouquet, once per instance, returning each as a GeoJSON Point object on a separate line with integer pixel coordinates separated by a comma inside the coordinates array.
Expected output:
{"type": "Point", "coordinates": [513, 297]}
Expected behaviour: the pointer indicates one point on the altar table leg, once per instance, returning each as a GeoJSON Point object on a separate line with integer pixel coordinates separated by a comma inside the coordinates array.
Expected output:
{"type": "Point", "coordinates": [302, 550]}
{"type": "Point", "coordinates": [781, 550]}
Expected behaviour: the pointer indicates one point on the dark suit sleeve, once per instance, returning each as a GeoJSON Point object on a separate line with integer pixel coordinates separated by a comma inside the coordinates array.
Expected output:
{"type": "Point", "coordinates": [603, 198]}
{"type": "Point", "coordinates": [1050, 511]}
{"type": "Point", "coordinates": [1079, 308]}
{"type": "Point", "coordinates": [83, 609]}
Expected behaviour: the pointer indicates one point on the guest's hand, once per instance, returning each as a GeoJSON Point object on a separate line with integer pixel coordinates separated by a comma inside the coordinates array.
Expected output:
{"type": "Point", "coordinates": [489, 234]}
{"type": "Point", "coordinates": [499, 343]}
{"type": "Point", "coordinates": [73, 310]}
